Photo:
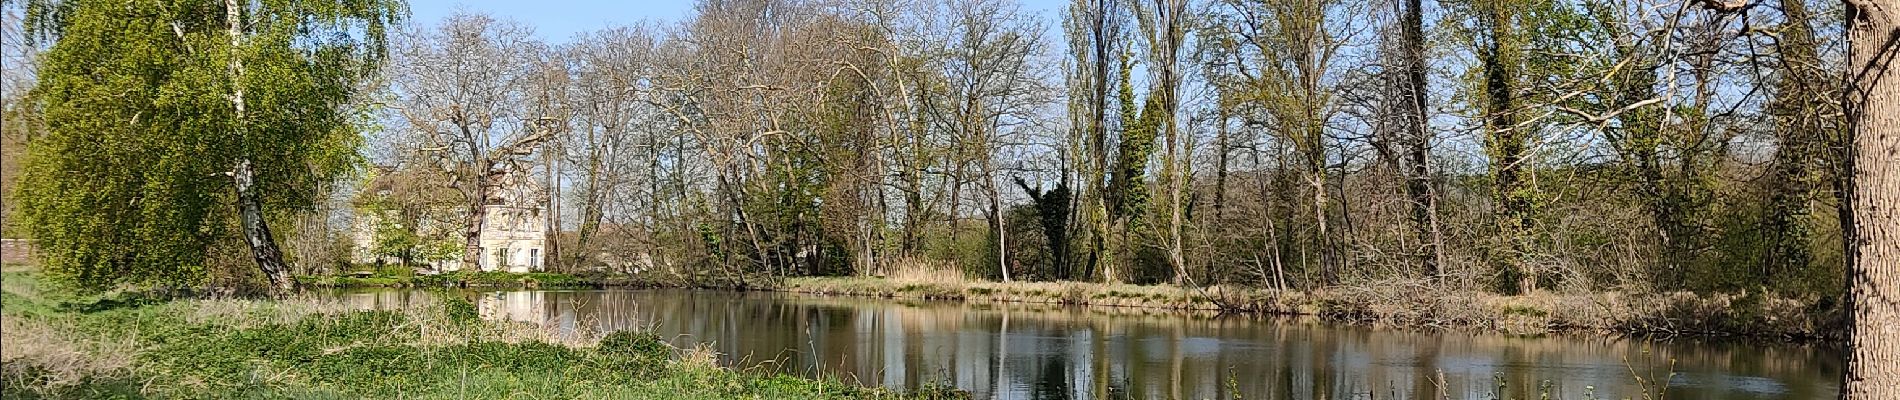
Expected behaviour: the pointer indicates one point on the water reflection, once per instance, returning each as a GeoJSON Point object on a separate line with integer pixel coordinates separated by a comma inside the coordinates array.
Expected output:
{"type": "Point", "coordinates": [1052, 352]}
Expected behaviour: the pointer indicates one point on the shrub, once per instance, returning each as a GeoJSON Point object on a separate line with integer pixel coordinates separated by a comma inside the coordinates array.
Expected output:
{"type": "Point", "coordinates": [459, 310]}
{"type": "Point", "coordinates": [640, 346]}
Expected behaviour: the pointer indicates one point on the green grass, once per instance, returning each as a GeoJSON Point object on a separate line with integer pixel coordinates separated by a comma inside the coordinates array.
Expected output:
{"type": "Point", "coordinates": [127, 346]}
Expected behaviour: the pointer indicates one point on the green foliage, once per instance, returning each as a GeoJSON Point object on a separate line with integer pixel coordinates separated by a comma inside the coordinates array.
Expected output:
{"type": "Point", "coordinates": [1129, 183]}
{"type": "Point", "coordinates": [128, 185]}
{"type": "Point", "coordinates": [637, 347]}
{"type": "Point", "coordinates": [710, 237]}
{"type": "Point", "coordinates": [393, 239]}
{"type": "Point", "coordinates": [460, 311]}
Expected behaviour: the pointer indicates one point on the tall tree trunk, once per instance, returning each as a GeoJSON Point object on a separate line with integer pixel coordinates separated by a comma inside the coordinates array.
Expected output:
{"type": "Point", "coordinates": [1505, 142]}
{"type": "Point", "coordinates": [1418, 139]}
{"type": "Point", "coordinates": [997, 225]}
{"type": "Point", "coordinates": [914, 207]}
{"type": "Point", "coordinates": [1316, 177]}
{"type": "Point", "coordinates": [477, 216]}
{"type": "Point", "coordinates": [956, 199]}
{"type": "Point", "coordinates": [1220, 162]}
{"type": "Point", "coordinates": [1169, 34]}
{"type": "Point", "coordinates": [551, 244]}
{"type": "Point", "coordinates": [591, 199]}
{"type": "Point", "coordinates": [1873, 114]}
{"type": "Point", "coordinates": [250, 207]}
{"type": "Point", "coordinates": [1103, 29]}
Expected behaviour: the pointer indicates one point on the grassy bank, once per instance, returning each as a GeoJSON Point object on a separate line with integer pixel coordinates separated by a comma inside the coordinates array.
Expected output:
{"type": "Point", "coordinates": [463, 279]}
{"type": "Point", "coordinates": [1391, 303]}
{"type": "Point", "coordinates": [1402, 304]}
{"type": "Point", "coordinates": [121, 346]}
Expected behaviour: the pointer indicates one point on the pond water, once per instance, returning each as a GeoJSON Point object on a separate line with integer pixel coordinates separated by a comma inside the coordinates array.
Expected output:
{"type": "Point", "coordinates": [1023, 351]}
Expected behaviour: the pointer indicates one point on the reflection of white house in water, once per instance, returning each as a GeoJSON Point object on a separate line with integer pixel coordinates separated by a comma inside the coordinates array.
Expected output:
{"type": "Point", "coordinates": [527, 307]}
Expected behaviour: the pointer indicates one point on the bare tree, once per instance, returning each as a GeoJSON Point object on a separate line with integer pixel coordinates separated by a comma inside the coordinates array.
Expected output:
{"type": "Point", "coordinates": [1094, 34]}
{"type": "Point", "coordinates": [1417, 138]}
{"type": "Point", "coordinates": [463, 90]}
{"type": "Point", "coordinates": [1164, 24]}
{"type": "Point", "coordinates": [1291, 47]}
{"type": "Point", "coordinates": [617, 139]}
{"type": "Point", "coordinates": [997, 90]}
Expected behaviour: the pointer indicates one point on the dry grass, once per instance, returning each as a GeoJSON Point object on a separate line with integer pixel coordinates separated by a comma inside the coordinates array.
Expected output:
{"type": "Point", "coordinates": [1074, 293]}
{"type": "Point", "coordinates": [63, 357]}
{"type": "Point", "coordinates": [1388, 303]}
{"type": "Point", "coordinates": [701, 357]}
{"type": "Point", "coordinates": [925, 271]}
{"type": "Point", "coordinates": [249, 313]}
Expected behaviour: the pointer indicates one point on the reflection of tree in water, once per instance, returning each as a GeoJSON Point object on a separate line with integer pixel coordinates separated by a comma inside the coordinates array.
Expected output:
{"type": "Point", "coordinates": [1085, 354]}
{"type": "Point", "coordinates": [1118, 389]}
{"type": "Point", "coordinates": [1052, 382]}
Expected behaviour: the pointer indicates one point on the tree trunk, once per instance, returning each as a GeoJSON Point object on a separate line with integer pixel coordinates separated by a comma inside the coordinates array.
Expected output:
{"type": "Point", "coordinates": [998, 226]}
{"type": "Point", "coordinates": [1418, 186]}
{"type": "Point", "coordinates": [1220, 163]}
{"type": "Point", "coordinates": [1103, 33]}
{"type": "Point", "coordinates": [956, 199]}
{"type": "Point", "coordinates": [250, 207]}
{"type": "Point", "coordinates": [1505, 144]}
{"type": "Point", "coordinates": [1267, 199]}
{"type": "Point", "coordinates": [914, 207]}
{"type": "Point", "coordinates": [477, 215]}
{"type": "Point", "coordinates": [1316, 177]}
{"type": "Point", "coordinates": [590, 207]}
{"type": "Point", "coordinates": [257, 232]}
{"type": "Point", "coordinates": [550, 235]}
{"type": "Point", "coordinates": [1873, 114]}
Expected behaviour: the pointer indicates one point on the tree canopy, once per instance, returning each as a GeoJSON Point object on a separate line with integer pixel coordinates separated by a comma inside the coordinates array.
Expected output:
{"type": "Point", "coordinates": [131, 181]}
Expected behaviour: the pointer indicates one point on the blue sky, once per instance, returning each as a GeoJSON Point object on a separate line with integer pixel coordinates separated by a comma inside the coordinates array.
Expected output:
{"type": "Point", "coordinates": [558, 20]}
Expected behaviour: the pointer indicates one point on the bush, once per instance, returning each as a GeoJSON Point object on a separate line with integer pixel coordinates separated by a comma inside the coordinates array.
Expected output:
{"type": "Point", "coordinates": [460, 311]}
{"type": "Point", "coordinates": [642, 346]}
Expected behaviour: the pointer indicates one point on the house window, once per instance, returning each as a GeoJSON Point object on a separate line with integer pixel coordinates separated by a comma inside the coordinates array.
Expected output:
{"type": "Point", "coordinates": [534, 257]}
{"type": "Point", "coordinates": [501, 257]}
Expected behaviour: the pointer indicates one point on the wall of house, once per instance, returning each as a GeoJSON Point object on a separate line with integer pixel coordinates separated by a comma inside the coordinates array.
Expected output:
{"type": "Point", "coordinates": [514, 239]}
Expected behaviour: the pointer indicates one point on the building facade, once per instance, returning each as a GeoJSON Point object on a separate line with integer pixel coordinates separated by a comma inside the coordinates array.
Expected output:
{"type": "Point", "coordinates": [514, 228]}
{"type": "Point", "coordinates": [512, 238]}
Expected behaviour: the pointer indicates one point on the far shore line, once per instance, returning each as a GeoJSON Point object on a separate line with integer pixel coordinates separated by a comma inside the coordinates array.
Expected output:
{"type": "Point", "coordinates": [1387, 304]}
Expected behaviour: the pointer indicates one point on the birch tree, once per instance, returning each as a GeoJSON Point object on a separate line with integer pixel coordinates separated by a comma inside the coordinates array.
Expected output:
{"type": "Point", "coordinates": [203, 99]}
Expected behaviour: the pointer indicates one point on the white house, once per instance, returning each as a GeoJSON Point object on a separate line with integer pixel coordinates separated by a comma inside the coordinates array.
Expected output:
{"type": "Point", "coordinates": [513, 231]}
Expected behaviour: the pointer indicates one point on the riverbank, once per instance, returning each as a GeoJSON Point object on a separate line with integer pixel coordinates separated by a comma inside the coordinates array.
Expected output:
{"type": "Point", "coordinates": [1400, 304]}
{"type": "Point", "coordinates": [126, 346]}
{"type": "Point", "coordinates": [1391, 304]}
{"type": "Point", "coordinates": [531, 280]}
